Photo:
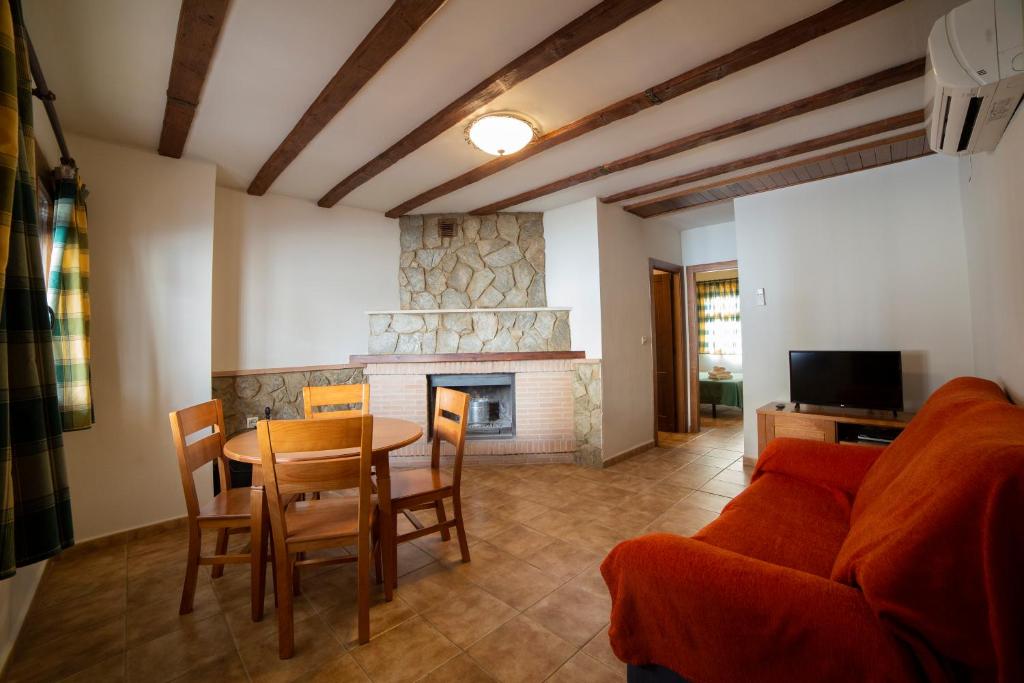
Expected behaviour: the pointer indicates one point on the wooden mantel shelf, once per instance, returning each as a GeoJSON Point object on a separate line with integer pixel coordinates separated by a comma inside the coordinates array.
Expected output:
{"type": "Point", "coordinates": [467, 357]}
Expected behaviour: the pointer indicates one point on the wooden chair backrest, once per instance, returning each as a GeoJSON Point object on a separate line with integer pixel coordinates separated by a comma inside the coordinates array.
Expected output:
{"type": "Point", "coordinates": [451, 408]}
{"type": "Point", "coordinates": [283, 478]}
{"type": "Point", "coordinates": [336, 395]}
{"type": "Point", "coordinates": [193, 454]}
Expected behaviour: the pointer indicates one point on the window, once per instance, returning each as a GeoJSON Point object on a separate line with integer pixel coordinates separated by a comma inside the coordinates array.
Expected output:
{"type": "Point", "coordinates": [718, 317]}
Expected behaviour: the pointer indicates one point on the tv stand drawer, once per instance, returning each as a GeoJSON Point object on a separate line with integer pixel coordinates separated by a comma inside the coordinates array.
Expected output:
{"type": "Point", "coordinates": [819, 423]}
{"type": "Point", "coordinates": [804, 427]}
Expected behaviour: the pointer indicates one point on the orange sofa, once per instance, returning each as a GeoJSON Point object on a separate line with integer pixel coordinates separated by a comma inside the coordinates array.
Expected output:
{"type": "Point", "coordinates": [847, 563]}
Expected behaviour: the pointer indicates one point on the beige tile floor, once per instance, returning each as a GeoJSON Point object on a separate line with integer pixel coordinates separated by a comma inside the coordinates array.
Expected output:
{"type": "Point", "coordinates": [531, 606]}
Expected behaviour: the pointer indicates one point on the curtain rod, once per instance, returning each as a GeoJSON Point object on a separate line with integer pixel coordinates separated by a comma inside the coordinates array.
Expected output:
{"type": "Point", "coordinates": [47, 97]}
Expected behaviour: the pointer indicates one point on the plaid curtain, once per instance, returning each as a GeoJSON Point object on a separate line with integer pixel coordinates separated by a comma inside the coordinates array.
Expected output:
{"type": "Point", "coordinates": [68, 297]}
{"type": "Point", "coordinates": [35, 522]}
{"type": "Point", "coordinates": [718, 317]}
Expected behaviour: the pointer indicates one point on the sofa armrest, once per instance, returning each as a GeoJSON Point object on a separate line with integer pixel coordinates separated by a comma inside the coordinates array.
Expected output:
{"type": "Point", "coordinates": [839, 466]}
{"type": "Point", "coordinates": [714, 615]}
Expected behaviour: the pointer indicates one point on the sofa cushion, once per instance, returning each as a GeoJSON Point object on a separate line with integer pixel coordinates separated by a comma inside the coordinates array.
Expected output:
{"type": "Point", "coordinates": [935, 541]}
{"type": "Point", "coordinates": [785, 521]}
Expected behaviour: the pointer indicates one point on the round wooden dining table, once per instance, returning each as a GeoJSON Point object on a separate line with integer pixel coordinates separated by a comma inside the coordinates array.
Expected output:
{"type": "Point", "coordinates": [389, 434]}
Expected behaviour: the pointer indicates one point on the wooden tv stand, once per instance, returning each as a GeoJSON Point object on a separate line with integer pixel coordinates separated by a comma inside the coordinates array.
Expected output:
{"type": "Point", "coordinates": [819, 423]}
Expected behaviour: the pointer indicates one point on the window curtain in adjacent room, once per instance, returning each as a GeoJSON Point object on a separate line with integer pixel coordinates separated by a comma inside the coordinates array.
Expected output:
{"type": "Point", "coordinates": [718, 317]}
{"type": "Point", "coordinates": [35, 509]}
{"type": "Point", "coordinates": [68, 298]}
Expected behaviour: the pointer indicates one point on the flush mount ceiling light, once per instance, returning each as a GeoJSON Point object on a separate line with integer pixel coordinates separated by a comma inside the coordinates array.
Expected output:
{"type": "Point", "coordinates": [501, 133]}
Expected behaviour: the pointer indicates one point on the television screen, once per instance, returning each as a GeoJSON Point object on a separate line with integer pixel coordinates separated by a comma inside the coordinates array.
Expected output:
{"type": "Point", "coordinates": [852, 379]}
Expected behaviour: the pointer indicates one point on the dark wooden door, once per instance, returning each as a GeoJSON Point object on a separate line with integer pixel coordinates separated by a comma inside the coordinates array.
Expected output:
{"type": "Point", "coordinates": [664, 352]}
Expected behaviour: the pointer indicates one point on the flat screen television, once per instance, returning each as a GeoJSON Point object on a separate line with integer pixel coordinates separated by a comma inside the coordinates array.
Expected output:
{"type": "Point", "coordinates": [850, 379]}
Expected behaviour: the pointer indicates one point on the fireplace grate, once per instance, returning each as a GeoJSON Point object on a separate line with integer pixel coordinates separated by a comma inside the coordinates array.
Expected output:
{"type": "Point", "coordinates": [492, 403]}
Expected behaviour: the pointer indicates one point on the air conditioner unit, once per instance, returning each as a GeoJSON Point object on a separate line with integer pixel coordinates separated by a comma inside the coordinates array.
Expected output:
{"type": "Point", "coordinates": [975, 75]}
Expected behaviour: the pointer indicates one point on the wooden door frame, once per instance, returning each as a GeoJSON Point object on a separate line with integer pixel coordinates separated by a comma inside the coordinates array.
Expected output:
{"type": "Point", "coordinates": [678, 346]}
{"type": "Point", "coordinates": [693, 358]}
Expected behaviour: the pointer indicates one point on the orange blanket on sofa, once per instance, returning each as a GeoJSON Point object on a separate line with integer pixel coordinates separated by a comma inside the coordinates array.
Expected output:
{"type": "Point", "coordinates": [847, 563]}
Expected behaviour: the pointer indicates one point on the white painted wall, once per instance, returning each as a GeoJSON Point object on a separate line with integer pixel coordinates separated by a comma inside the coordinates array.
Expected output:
{"type": "Point", "coordinates": [626, 243]}
{"type": "Point", "coordinates": [709, 244]}
{"type": "Point", "coordinates": [292, 281]}
{"type": "Point", "coordinates": [573, 271]}
{"type": "Point", "coordinates": [871, 260]}
{"type": "Point", "coordinates": [992, 191]}
{"type": "Point", "coordinates": [150, 248]}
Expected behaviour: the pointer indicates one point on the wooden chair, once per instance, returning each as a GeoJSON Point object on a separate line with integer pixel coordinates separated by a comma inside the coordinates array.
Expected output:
{"type": "Point", "coordinates": [426, 488]}
{"type": "Point", "coordinates": [336, 395]}
{"type": "Point", "coordinates": [230, 510]}
{"type": "Point", "coordinates": [332, 521]}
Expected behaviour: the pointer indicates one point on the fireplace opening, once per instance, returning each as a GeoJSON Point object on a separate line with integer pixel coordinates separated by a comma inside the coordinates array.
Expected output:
{"type": "Point", "coordinates": [492, 403]}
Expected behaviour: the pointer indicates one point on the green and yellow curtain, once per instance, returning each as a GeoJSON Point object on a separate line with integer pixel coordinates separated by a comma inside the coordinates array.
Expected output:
{"type": "Point", "coordinates": [68, 297]}
{"type": "Point", "coordinates": [718, 317]}
{"type": "Point", "coordinates": [35, 506]}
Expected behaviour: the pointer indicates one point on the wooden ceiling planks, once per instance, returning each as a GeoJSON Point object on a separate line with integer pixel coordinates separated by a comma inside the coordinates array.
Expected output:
{"type": "Point", "coordinates": [885, 125]}
{"type": "Point", "coordinates": [199, 26]}
{"type": "Point", "coordinates": [600, 19]}
{"type": "Point", "coordinates": [398, 25]}
{"type": "Point", "coordinates": [832, 18]}
{"type": "Point", "coordinates": [893, 149]}
{"type": "Point", "coordinates": [847, 91]}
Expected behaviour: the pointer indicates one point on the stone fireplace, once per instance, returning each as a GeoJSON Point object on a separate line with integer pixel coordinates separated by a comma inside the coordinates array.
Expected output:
{"type": "Point", "coordinates": [474, 316]}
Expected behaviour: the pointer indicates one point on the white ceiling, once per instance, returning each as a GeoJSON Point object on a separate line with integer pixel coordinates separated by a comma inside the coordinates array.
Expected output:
{"type": "Point", "coordinates": [108, 62]}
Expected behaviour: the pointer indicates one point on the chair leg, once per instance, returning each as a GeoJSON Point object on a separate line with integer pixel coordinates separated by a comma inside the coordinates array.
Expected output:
{"type": "Point", "coordinates": [188, 591]}
{"type": "Point", "coordinates": [363, 591]}
{"type": "Point", "coordinates": [460, 528]}
{"type": "Point", "coordinates": [222, 549]}
{"type": "Point", "coordinates": [391, 556]}
{"type": "Point", "coordinates": [258, 557]}
{"type": "Point", "coordinates": [285, 618]}
{"type": "Point", "coordinates": [378, 564]}
{"type": "Point", "coordinates": [296, 586]}
{"type": "Point", "coordinates": [441, 519]}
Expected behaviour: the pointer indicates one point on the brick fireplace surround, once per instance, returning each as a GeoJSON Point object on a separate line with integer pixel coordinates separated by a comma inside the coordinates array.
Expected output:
{"type": "Point", "coordinates": [545, 422]}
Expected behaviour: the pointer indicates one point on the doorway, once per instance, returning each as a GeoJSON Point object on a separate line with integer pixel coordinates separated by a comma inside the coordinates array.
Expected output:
{"type": "Point", "coordinates": [713, 348]}
{"type": "Point", "coordinates": [667, 328]}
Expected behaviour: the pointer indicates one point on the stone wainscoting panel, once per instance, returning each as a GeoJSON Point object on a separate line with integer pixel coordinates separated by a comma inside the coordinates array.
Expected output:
{"type": "Point", "coordinates": [492, 331]}
{"type": "Point", "coordinates": [587, 397]}
{"type": "Point", "coordinates": [494, 261]}
{"type": "Point", "coordinates": [250, 394]}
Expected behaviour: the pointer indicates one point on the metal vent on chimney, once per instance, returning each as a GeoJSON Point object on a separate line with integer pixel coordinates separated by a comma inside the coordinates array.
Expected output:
{"type": "Point", "coordinates": [446, 228]}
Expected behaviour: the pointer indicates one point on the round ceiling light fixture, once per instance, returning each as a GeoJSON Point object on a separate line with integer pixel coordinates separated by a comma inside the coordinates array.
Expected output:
{"type": "Point", "coordinates": [501, 133]}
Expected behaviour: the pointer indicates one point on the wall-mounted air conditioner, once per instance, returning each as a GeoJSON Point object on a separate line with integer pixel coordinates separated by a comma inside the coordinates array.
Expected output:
{"type": "Point", "coordinates": [975, 75]}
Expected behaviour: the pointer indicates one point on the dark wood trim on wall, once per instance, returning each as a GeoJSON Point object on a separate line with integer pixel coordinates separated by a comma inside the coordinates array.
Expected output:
{"type": "Point", "coordinates": [402, 20]}
{"type": "Point", "coordinates": [830, 19]}
{"type": "Point", "coordinates": [592, 24]}
{"type": "Point", "coordinates": [691, 334]}
{"type": "Point", "coordinates": [466, 357]}
{"type": "Point", "coordinates": [199, 26]}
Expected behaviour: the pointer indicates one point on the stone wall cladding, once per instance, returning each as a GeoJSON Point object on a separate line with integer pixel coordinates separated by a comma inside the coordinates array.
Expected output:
{"type": "Point", "coordinates": [248, 394]}
{"type": "Point", "coordinates": [587, 412]}
{"type": "Point", "coordinates": [471, 332]}
{"type": "Point", "coordinates": [494, 261]}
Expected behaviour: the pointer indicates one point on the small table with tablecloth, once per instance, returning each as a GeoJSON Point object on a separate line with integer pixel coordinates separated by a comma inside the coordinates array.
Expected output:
{"type": "Point", "coordinates": [721, 392]}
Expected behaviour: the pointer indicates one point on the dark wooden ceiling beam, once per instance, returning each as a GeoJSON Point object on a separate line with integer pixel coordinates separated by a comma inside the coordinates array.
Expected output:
{"type": "Point", "coordinates": [842, 137]}
{"type": "Point", "coordinates": [387, 37]}
{"type": "Point", "coordinates": [199, 26]}
{"type": "Point", "coordinates": [826, 98]}
{"type": "Point", "coordinates": [907, 145]}
{"type": "Point", "coordinates": [831, 19]}
{"type": "Point", "coordinates": [600, 19]}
